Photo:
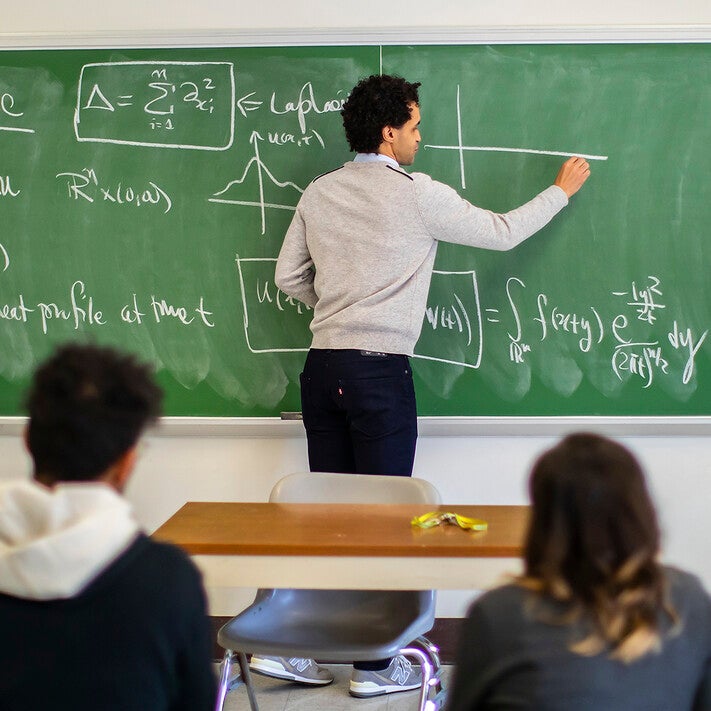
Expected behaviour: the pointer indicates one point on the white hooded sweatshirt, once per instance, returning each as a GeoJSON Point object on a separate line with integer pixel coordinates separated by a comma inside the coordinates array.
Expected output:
{"type": "Point", "coordinates": [54, 542]}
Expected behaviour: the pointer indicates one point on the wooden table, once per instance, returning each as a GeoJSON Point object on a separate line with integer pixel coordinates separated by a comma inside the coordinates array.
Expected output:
{"type": "Point", "coordinates": [346, 546]}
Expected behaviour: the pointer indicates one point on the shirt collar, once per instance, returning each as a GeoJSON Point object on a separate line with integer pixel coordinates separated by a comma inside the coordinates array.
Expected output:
{"type": "Point", "coordinates": [375, 157]}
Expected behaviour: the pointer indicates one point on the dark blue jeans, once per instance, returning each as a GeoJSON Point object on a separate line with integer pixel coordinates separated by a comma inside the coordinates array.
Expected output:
{"type": "Point", "coordinates": [360, 417]}
{"type": "Point", "coordinates": [359, 412]}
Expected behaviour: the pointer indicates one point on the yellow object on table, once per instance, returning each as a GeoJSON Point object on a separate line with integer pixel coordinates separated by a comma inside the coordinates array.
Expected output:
{"type": "Point", "coordinates": [435, 518]}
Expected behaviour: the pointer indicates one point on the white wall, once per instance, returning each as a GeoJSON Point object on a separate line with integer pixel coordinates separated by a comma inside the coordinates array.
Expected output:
{"type": "Point", "coordinates": [467, 469]}
{"type": "Point", "coordinates": [78, 16]}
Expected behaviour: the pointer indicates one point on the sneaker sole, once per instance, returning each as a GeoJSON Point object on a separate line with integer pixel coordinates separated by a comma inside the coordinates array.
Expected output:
{"type": "Point", "coordinates": [288, 676]}
{"type": "Point", "coordinates": [367, 691]}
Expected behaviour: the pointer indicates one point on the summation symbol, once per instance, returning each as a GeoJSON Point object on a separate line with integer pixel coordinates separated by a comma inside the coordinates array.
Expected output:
{"type": "Point", "coordinates": [262, 170]}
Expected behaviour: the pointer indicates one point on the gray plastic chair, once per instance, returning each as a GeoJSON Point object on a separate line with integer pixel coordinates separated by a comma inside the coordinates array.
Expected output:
{"type": "Point", "coordinates": [338, 625]}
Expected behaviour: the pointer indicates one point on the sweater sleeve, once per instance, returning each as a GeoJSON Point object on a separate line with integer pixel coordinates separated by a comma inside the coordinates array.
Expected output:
{"type": "Point", "coordinates": [450, 218]}
{"type": "Point", "coordinates": [295, 268]}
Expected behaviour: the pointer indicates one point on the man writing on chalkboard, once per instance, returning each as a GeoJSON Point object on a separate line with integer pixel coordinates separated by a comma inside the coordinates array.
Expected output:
{"type": "Point", "coordinates": [360, 250]}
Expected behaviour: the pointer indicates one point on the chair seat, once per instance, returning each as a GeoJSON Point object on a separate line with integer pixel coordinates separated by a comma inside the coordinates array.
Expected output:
{"type": "Point", "coordinates": [341, 625]}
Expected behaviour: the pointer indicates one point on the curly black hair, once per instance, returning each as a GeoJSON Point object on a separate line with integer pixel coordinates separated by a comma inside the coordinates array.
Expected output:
{"type": "Point", "coordinates": [88, 406]}
{"type": "Point", "coordinates": [376, 102]}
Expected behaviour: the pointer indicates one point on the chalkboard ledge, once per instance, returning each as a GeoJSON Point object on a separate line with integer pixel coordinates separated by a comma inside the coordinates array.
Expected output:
{"type": "Point", "coordinates": [274, 427]}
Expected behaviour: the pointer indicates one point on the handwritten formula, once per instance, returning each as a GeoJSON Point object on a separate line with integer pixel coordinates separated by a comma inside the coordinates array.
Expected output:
{"type": "Point", "coordinates": [163, 104]}
{"type": "Point", "coordinates": [145, 194]}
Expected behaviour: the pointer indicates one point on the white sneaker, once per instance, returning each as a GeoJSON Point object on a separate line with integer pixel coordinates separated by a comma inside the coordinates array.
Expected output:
{"type": "Point", "coordinates": [303, 671]}
{"type": "Point", "coordinates": [399, 676]}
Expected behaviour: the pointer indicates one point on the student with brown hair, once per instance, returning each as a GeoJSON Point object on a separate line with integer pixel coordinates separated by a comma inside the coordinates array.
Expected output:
{"type": "Point", "coordinates": [595, 623]}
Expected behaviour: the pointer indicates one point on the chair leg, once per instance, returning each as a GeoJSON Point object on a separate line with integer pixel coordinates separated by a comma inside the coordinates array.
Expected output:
{"type": "Point", "coordinates": [247, 678]}
{"type": "Point", "coordinates": [433, 653]}
{"type": "Point", "coordinates": [227, 684]}
{"type": "Point", "coordinates": [431, 649]}
{"type": "Point", "coordinates": [426, 668]}
{"type": "Point", "coordinates": [225, 669]}
{"type": "Point", "coordinates": [431, 669]}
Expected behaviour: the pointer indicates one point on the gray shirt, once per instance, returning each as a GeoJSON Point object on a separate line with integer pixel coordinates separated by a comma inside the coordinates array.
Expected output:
{"type": "Point", "coordinates": [362, 245]}
{"type": "Point", "coordinates": [510, 658]}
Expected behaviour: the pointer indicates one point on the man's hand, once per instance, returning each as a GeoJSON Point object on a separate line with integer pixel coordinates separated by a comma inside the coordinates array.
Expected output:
{"type": "Point", "coordinates": [573, 173]}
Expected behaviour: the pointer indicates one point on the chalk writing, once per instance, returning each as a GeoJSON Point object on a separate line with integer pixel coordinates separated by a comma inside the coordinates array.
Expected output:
{"type": "Point", "coordinates": [16, 311]}
{"type": "Point", "coordinates": [267, 292]}
{"type": "Point", "coordinates": [644, 299]}
{"type": "Point", "coordinates": [527, 325]}
{"type": "Point", "coordinates": [453, 310]}
{"type": "Point", "coordinates": [263, 305]}
{"type": "Point", "coordinates": [8, 110]}
{"type": "Point", "coordinates": [7, 105]}
{"type": "Point", "coordinates": [164, 310]}
{"type": "Point", "coordinates": [163, 103]}
{"type": "Point", "coordinates": [451, 316]}
{"type": "Point", "coordinates": [461, 149]}
{"type": "Point", "coordinates": [517, 348]}
{"type": "Point", "coordinates": [453, 326]}
{"type": "Point", "coordinates": [185, 105]}
{"type": "Point", "coordinates": [290, 139]}
{"type": "Point", "coordinates": [246, 103]}
{"type": "Point", "coordinates": [6, 189]}
{"type": "Point", "coordinates": [84, 185]}
{"type": "Point", "coordinates": [130, 313]}
{"type": "Point", "coordinates": [81, 309]}
{"type": "Point", "coordinates": [261, 171]}
{"type": "Point", "coordinates": [591, 330]}
{"type": "Point", "coordinates": [640, 359]}
{"type": "Point", "coordinates": [305, 103]}
{"type": "Point", "coordinates": [685, 339]}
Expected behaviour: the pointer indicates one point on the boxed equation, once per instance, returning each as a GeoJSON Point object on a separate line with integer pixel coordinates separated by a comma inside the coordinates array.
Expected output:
{"type": "Point", "coordinates": [163, 104]}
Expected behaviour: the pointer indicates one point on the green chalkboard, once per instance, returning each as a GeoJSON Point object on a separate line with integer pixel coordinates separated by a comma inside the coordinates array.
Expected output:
{"type": "Point", "coordinates": [144, 194]}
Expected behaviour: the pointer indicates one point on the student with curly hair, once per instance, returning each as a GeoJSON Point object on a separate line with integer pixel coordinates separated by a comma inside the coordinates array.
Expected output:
{"type": "Point", "coordinates": [595, 623]}
{"type": "Point", "coordinates": [360, 250]}
{"type": "Point", "coordinates": [94, 614]}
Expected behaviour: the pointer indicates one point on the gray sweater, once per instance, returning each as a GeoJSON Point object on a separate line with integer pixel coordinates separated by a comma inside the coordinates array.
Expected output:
{"type": "Point", "coordinates": [511, 656]}
{"type": "Point", "coordinates": [361, 249]}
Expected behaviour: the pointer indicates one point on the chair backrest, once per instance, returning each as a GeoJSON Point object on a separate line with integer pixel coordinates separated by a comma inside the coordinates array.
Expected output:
{"type": "Point", "coordinates": [330, 488]}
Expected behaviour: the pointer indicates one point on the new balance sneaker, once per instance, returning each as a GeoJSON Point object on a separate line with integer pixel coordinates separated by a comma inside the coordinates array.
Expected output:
{"type": "Point", "coordinates": [399, 676]}
{"type": "Point", "coordinates": [303, 671]}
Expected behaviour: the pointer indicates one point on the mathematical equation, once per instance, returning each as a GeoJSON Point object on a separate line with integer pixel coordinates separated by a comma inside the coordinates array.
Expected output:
{"type": "Point", "coordinates": [84, 186]}
{"type": "Point", "coordinates": [632, 353]}
{"type": "Point", "coordinates": [162, 104]}
{"type": "Point", "coordinates": [459, 329]}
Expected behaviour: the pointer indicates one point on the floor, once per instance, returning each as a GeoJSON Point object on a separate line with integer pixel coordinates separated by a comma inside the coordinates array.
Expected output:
{"type": "Point", "coordinates": [275, 695]}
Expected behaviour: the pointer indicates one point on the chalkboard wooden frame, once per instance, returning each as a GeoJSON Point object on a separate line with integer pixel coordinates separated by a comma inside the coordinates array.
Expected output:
{"type": "Point", "coordinates": [430, 426]}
